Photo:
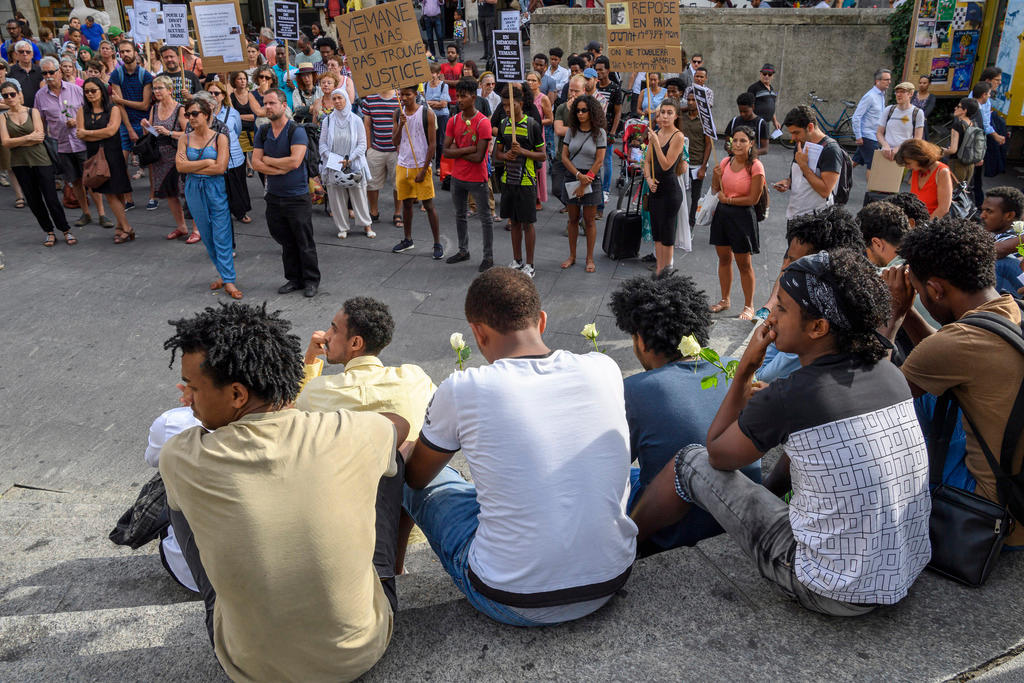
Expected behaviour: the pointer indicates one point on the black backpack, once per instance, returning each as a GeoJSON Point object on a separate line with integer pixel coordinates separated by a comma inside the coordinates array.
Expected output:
{"type": "Point", "coordinates": [841, 195]}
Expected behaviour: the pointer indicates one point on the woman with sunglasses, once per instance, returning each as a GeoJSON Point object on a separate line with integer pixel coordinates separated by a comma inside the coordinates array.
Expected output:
{"type": "Point", "coordinates": [22, 132]}
{"type": "Point", "coordinates": [7, 180]}
{"type": "Point", "coordinates": [98, 124]}
{"type": "Point", "coordinates": [739, 182]}
{"type": "Point", "coordinates": [203, 154]}
{"type": "Point", "coordinates": [167, 118]}
{"type": "Point", "coordinates": [583, 151]}
{"type": "Point", "coordinates": [665, 162]}
{"type": "Point", "coordinates": [238, 191]}
{"type": "Point", "coordinates": [543, 105]}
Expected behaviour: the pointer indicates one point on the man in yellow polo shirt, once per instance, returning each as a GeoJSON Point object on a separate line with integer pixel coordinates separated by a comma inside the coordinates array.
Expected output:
{"type": "Point", "coordinates": [357, 333]}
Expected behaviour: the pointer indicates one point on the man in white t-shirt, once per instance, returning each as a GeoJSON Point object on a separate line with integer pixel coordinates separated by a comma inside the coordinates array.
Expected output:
{"type": "Point", "coordinates": [542, 535]}
{"type": "Point", "coordinates": [900, 122]}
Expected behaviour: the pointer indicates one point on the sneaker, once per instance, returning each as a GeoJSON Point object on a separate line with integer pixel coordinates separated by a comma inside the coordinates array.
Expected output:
{"type": "Point", "coordinates": [438, 252]}
{"type": "Point", "coordinates": [458, 257]}
{"type": "Point", "coordinates": [128, 206]}
{"type": "Point", "coordinates": [486, 264]}
{"type": "Point", "coordinates": [528, 269]}
{"type": "Point", "coordinates": [515, 265]}
{"type": "Point", "coordinates": [404, 245]}
{"type": "Point", "coordinates": [84, 220]}
{"type": "Point", "coordinates": [152, 205]}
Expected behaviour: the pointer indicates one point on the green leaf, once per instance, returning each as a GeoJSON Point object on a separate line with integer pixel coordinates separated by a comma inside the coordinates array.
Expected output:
{"type": "Point", "coordinates": [709, 382]}
{"type": "Point", "coordinates": [730, 369]}
{"type": "Point", "coordinates": [464, 354]}
{"type": "Point", "coordinates": [1020, 249]}
{"type": "Point", "coordinates": [710, 355]}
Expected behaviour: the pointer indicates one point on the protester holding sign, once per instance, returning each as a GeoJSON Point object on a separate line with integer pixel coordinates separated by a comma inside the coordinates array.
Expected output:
{"type": "Point", "coordinates": [521, 146]}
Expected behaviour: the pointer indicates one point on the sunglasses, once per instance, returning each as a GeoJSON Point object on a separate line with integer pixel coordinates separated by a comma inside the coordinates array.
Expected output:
{"type": "Point", "coordinates": [264, 78]}
{"type": "Point", "coordinates": [192, 114]}
{"type": "Point", "coordinates": [697, 61]}
{"type": "Point", "coordinates": [48, 73]}
{"type": "Point", "coordinates": [91, 91]}
{"type": "Point", "coordinates": [216, 93]}
{"type": "Point", "coordinates": [10, 95]}
{"type": "Point", "coordinates": [583, 110]}
{"type": "Point", "coordinates": [767, 73]}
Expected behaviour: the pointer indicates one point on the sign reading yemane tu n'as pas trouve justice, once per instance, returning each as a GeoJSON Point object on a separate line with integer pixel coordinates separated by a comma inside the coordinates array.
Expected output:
{"type": "Point", "coordinates": [384, 47]}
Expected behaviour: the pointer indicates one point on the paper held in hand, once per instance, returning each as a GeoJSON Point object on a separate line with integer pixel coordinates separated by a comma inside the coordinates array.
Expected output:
{"type": "Point", "coordinates": [886, 175]}
{"type": "Point", "coordinates": [384, 47]}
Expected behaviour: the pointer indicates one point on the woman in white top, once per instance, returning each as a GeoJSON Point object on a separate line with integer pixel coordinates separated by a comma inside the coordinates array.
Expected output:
{"type": "Point", "coordinates": [342, 135]}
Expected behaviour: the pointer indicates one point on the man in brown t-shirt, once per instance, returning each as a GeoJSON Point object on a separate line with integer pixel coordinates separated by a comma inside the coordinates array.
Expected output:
{"type": "Point", "coordinates": [951, 265]}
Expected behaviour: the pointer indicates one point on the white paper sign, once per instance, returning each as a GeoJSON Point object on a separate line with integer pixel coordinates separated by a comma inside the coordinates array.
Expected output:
{"type": "Point", "coordinates": [776, 134]}
{"type": "Point", "coordinates": [218, 31]}
{"type": "Point", "coordinates": [813, 153]}
{"type": "Point", "coordinates": [146, 14]}
{"type": "Point", "coordinates": [510, 21]}
{"type": "Point", "coordinates": [132, 25]}
{"type": "Point", "coordinates": [176, 25]}
{"type": "Point", "coordinates": [334, 161]}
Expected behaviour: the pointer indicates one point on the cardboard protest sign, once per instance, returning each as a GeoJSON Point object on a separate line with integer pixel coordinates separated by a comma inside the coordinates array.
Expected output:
{"type": "Point", "coordinates": [384, 47]}
{"type": "Point", "coordinates": [286, 20]}
{"type": "Point", "coordinates": [508, 56]}
{"type": "Point", "coordinates": [221, 40]}
{"type": "Point", "coordinates": [700, 94]}
{"type": "Point", "coordinates": [643, 35]}
{"type": "Point", "coordinates": [176, 25]}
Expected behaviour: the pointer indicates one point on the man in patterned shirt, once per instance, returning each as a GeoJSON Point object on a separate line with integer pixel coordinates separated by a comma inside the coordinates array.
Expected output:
{"type": "Point", "coordinates": [855, 532]}
{"type": "Point", "coordinates": [185, 82]}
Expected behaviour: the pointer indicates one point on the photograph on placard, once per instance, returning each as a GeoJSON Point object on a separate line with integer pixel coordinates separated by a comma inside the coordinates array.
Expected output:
{"type": "Point", "coordinates": [618, 14]}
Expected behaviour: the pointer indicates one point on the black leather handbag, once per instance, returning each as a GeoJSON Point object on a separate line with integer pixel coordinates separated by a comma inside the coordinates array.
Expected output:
{"type": "Point", "coordinates": [967, 531]}
{"type": "Point", "coordinates": [147, 149]}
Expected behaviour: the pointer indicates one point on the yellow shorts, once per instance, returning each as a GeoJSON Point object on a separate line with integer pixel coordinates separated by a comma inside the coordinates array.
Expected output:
{"type": "Point", "coordinates": [408, 188]}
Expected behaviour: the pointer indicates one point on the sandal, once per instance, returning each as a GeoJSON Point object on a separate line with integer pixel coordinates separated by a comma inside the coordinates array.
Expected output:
{"type": "Point", "coordinates": [370, 233]}
{"type": "Point", "coordinates": [121, 236]}
{"type": "Point", "coordinates": [374, 217]}
{"type": "Point", "coordinates": [569, 262]}
{"type": "Point", "coordinates": [19, 203]}
{"type": "Point", "coordinates": [70, 239]}
{"type": "Point", "coordinates": [232, 291]}
{"type": "Point", "coordinates": [722, 305]}
{"type": "Point", "coordinates": [51, 240]}
{"type": "Point", "coordinates": [216, 284]}
{"type": "Point", "coordinates": [591, 266]}
{"type": "Point", "coordinates": [177, 234]}
{"type": "Point", "coordinates": [138, 175]}
{"type": "Point", "coordinates": [193, 238]}
{"type": "Point", "coordinates": [246, 219]}
{"type": "Point", "coordinates": [747, 314]}
{"type": "Point", "coordinates": [397, 220]}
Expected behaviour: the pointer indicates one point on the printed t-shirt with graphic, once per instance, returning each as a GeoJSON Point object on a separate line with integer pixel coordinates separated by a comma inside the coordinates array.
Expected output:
{"type": "Point", "coordinates": [466, 134]}
{"type": "Point", "coordinates": [985, 374]}
{"type": "Point", "coordinates": [901, 124]}
{"type": "Point", "coordinates": [610, 96]}
{"type": "Point", "coordinates": [859, 469]}
{"type": "Point", "coordinates": [382, 120]}
{"type": "Point", "coordinates": [294, 182]}
{"type": "Point", "coordinates": [521, 171]}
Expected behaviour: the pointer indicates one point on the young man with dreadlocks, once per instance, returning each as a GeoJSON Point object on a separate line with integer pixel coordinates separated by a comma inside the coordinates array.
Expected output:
{"type": "Point", "coordinates": [669, 322]}
{"type": "Point", "coordinates": [274, 508]}
{"type": "Point", "coordinates": [855, 532]}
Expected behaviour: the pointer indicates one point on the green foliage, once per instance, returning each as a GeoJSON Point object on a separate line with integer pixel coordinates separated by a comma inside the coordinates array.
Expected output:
{"type": "Point", "coordinates": [729, 369]}
{"type": "Point", "coordinates": [899, 33]}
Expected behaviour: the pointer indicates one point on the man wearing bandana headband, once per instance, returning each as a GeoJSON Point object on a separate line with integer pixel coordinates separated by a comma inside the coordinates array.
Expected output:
{"type": "Point", "coordinates": [855, 533]}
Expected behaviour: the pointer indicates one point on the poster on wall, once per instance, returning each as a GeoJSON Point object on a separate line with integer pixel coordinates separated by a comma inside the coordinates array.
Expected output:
{"type": "Point", "coordinates": [949, 41]}
{"type": "Point", "coordinates": [1009, 98]}
{"type": "Point", "coordinates": [940, 70]}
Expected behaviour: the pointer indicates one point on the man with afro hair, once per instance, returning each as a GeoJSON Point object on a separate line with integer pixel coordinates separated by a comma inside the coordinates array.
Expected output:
{"type": "Point", "coordinates": [951, 267]}
{"type": "Point", "coordinates": [854, 534]}
{"type": "Point", "coordinates": [1004, 206]}
{"type": "Point", "coordinates": [274, 507]}
{"type": "Point", "coordinates": [665, 406]}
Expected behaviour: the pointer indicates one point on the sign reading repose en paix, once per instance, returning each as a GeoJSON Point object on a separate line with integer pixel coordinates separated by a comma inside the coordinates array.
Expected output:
{"type": "Point", "coordinates": [384, 47]}
{"type": "Point", "coordinates": [643, 35]}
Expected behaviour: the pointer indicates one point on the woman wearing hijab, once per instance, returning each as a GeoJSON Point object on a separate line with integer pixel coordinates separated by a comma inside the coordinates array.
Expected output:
{"type": "Point", "coordinates": [343, 136]}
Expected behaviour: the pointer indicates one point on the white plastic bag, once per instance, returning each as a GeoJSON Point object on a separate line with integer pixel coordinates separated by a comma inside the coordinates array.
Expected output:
{"type": "Point", "coordinates": [706, 210]}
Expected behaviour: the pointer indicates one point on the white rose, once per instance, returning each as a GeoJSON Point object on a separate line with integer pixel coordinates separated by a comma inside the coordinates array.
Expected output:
{"type": "Point", "coordinates": [689, 346]}
{"type": "Point", "coordinates": [589, 331]}
{"type": "Point", "coordinates": [456, 341]}
{"type": "Point", "coordinates": [1018, 227]}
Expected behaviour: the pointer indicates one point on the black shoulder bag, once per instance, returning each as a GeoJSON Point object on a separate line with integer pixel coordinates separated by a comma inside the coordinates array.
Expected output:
{"type": "Point", "coordinates": [967, 531]}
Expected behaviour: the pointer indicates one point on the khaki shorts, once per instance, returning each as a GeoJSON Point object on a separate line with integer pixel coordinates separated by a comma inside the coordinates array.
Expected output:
{"type": "Point", "coordinates": [408, 188]}
{"type": "Point", "coordinates": [382, 166]}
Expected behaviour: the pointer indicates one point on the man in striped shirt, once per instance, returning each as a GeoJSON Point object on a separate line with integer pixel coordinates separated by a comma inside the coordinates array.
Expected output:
{"type": "Point", "coordinates": [379, 118]}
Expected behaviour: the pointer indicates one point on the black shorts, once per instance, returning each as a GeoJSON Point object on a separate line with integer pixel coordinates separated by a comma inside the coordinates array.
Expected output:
{"type": "Point", "coordinates": [71, 164]}
{"type": "Point", "coordinates": [519, 203]}
{"type": "Point", "coordinates": [736, 227]}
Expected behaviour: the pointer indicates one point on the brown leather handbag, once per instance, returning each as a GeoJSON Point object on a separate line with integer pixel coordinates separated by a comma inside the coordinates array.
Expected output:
{"type": "Point", "coordinates": [96, 170]}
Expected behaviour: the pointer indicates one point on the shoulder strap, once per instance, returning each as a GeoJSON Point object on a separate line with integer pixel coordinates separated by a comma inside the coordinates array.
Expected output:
{"type": "Point", "coordinates": [892, 110]}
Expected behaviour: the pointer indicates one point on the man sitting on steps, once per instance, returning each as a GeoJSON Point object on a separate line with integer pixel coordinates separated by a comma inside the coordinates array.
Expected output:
{"type": "Point", "coordinates": [541, 536]}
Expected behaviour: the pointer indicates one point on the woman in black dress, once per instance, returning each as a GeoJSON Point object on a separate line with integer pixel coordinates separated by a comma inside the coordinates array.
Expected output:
{"type": "Point", "coordinates": [664, 162]}
{"type": "Point", "coordinates": [98, 124]}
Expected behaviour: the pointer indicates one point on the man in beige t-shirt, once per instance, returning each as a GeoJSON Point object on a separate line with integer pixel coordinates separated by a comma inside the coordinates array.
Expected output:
{"type": "Point", "coordinates": [276, 506]}
{"type": "Point", "coordinates": [951, 265]}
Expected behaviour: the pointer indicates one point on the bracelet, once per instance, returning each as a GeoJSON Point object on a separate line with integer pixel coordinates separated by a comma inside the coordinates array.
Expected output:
{"type": "Point", "coordinates": [590, 174]}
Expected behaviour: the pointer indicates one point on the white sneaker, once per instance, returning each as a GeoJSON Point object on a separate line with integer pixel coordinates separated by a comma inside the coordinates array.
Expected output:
{"type": "Point", "coordinates": [343, 234]}
{"type": "Point", "coordinates": [528, 269]}
{"type": "Point", "coordinates": [515, 265]}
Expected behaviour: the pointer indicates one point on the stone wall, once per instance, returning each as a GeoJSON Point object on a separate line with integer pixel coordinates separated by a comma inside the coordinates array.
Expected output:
{"type": "Point", "coordinates": [833, 52]}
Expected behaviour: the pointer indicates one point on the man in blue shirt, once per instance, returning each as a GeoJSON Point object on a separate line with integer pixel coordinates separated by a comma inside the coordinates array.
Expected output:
{"type": "Point", "coordinates": [993, 77]}
{"type": "Point", "coordinates": [285, 75]}
{"type": "Point", "coordinates": [279, 152]}
{"type": "Point", "coordinates": [15, 32]}
{"type": "Point", "coordinates": [92, 32]}
{"type": "Point", "coordinates": [131, 89]}
{"type": "Point", "coordinates": [665, 407]}
{"type": "Point", "coordinates": [865, 118]}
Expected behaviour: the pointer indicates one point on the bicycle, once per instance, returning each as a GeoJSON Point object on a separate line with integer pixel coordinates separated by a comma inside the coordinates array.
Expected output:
{"type": "Point", "coordinates": [840, 130]}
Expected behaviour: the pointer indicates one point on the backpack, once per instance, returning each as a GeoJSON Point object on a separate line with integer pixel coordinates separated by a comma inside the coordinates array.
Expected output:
{"type": "Point", "coordinates": [312, 144]}
{"type": "Point", "coordinates": [841, 195]}
{"type": "Point", "coordinates": [119, 70]}
{"type": "Point", "coordinates": [972, 148]}
{"type": "Point", "coordinates": [913, 116]}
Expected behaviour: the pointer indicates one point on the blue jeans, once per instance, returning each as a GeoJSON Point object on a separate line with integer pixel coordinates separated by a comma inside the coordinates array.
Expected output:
{"type": "Point", "coordinates": [606, 174]}
{"type": "Point", "coordinates": [866, 152]}
{"type": "Point", "coordinates": [446, 511]}
{"type": "Point", "coordinates": [1007, 272]}
{"type": "Point", "coordinates": [433, 30]}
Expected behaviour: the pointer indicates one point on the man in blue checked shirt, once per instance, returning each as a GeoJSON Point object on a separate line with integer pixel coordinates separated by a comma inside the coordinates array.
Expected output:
{"type": "Point", "coordinates": [865, 118]}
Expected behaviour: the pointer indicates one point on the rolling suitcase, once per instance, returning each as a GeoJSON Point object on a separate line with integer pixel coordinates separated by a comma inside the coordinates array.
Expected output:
{"type": "Point", "coordinates": [623, 229]}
